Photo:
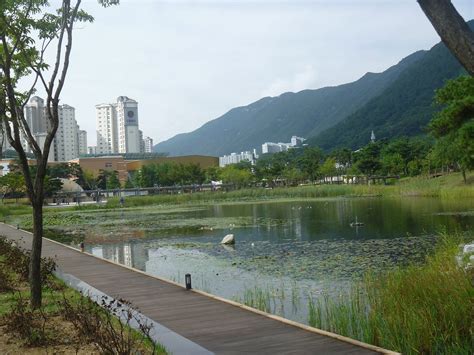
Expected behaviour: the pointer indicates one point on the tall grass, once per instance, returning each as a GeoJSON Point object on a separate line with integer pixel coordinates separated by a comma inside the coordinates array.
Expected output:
{"type": "Point", "coordinates": [13, 209]}
{"type": "Point", "coordinates": [446, 187]}
{"type": "Point", "coordinates": [424, 309]}
{"type": "Point", "coordinates": [258, 298]}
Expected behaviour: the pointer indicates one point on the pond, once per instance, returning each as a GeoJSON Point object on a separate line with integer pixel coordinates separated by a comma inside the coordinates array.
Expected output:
{"type": "Point", "coordinates": [286, 253]}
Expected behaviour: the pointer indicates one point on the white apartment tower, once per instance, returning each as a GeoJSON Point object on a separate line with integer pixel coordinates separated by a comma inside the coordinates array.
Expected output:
{"type": "Point", "coordinates": [65, 145]}
{"type": "Point", "coordinates": [82, 139]}
{"type": "Point", "coordinates": [148, 143]}
{"type": "Point", "coordinates": [117, 127]}
{"type": "Point", "coordinates": [107, 132]}
{"type": "Point", "coordinates": [129, 139]}
{"type": "Point", "coordinates": [66, 142]}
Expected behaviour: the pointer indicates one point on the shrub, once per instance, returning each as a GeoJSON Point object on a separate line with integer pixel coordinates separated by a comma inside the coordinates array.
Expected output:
{"type": "Point", "coordinates": [96, 323]}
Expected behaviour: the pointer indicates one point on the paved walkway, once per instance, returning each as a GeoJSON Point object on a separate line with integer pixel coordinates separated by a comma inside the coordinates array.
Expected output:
{"type": "Point", "coordinates": [221, 327]}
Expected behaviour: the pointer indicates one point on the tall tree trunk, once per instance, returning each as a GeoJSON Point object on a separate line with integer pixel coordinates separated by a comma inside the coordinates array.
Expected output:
{"type": "Point", "coordinates": [453, 30]}
{"type": "Point", "coordinates": [35, 262]}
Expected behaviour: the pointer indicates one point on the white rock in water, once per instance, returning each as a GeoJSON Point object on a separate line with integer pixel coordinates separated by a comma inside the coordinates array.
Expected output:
{"type": "Point", "coordinates": [468, 248]}
{"type": "Point", "coordinates": [228, 239]}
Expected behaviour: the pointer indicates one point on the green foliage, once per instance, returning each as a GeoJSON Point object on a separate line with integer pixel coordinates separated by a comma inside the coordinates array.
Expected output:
{"type": "Point", "coordinates": [231, 174]}
{"type": "Point", "coordinates": [416, 309]}
{"type": "Point", "coordinates": [108, 180]}
{"type": "Point", "coordinates": [12, 185]}
{"type": "Point", "coordinates": [454, 125]}
{"type": "Point", "coordinates": [168, 174]}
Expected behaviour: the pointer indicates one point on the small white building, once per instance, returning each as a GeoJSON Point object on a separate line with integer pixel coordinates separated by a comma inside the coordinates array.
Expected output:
{"type": "Point", "coordinates": [235, 158]}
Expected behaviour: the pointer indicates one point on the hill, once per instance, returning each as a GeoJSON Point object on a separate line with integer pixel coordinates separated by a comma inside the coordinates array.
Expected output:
{"type": "Point", "coordinates": [276, 119]}
{"type": "Point", "coordinates": [404, 108]}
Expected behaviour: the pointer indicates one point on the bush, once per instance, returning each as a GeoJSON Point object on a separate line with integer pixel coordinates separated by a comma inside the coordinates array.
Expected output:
{"type": "Point", "coordinates": [96, 323]}
{"type": "Point", "coordinates": [18, 260]}
{"type": "Point", "coordinates": [29, 325]}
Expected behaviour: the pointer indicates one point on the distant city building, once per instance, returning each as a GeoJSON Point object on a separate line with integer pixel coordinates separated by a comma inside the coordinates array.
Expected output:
{"type": "Point", "coordinates": [117, 127]}
{"type": "Point", "coordinates": [148, 143]}
{"type": "Point", "coordinates": [65, 145]}
{"type": "Point", "coordinates": [271, 148]}
{"type": "Point", "coordinates": [235, 158]}
{"type": "Point", "coordinates": [66, 142]}
{"type": "Point", "coordinates": [82, 139]}
{"type": "Point", "coordinates": [107, 130]}
{"type": "Point", "coordinates": [297, 141]}
{"type": "Point", "coordinates": [35, 115]}
{"type": "Point", "coordinates": [127, 118]}
{"type": "Point", "coordinates": [92, 150]}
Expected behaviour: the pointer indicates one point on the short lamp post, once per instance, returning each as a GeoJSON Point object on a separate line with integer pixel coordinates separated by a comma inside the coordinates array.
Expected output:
{"type": "Point", "coordinates": [187, 279]}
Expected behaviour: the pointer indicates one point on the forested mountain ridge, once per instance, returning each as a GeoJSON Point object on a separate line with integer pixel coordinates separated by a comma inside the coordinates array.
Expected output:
{"type": "Point", "coordinates": [305, 114]}
{"type": "Point", "coordinates": [402, 109]}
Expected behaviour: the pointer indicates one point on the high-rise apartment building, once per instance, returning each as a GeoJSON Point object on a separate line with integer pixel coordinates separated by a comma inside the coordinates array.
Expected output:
{"type": "Point", "coordinates": [35, 115]}
{"type": "Point", "coordinates": [117, 127]}
{"type": "Point", "coordinates": [82, 139]}
{"type": "Point", "coordinates": [129, 139]}
{"type": "Point", "coordinates": [66, 142]}
{"type": "Point", "coordinates": [107, 130]}
{"type": "Point", "coordinates": [65, 145]}
{"type": "Point", "coordinates": [148, 144]}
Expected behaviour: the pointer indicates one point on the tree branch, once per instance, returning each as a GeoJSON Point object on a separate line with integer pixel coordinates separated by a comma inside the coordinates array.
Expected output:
{"type": "Point", "coordinates": [453, 30]}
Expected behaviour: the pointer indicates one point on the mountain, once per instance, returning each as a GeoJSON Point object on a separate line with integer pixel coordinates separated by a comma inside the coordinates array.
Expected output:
{"type": "Point", "coordinates": [276, 119]}
{"type": "Point", "coordinates": [404, 108]}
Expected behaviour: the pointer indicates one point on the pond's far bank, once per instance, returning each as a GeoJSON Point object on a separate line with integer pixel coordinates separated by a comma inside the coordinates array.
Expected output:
{"type": "Point", "coordinates": [445, 187]}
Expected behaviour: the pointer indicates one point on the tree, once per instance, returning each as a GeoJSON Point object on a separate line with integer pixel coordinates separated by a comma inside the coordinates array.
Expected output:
{"type": "Point", "coordinates": [27, 31]}
{"type": "Point", "coordinates": [233, 175]}
{"type": "Point", "coordinates": [108, 180]}
{"type": "Point", "coordinates": [328, 169]}
{"type": "Point", "coordinates": [368, 159]}
{"type": "Point", "coordinates": [453, 30]}
{"type": "Point", "coordinates": [454, 125]}
{"type": "Point", "coordinates": [13, 185]}
{"type": "Point", "coordinates": [309, 162]}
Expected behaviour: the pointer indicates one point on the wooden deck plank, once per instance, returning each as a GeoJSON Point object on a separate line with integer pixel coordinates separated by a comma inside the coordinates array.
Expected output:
{"type": "Point", "coordinates": [215, 325]}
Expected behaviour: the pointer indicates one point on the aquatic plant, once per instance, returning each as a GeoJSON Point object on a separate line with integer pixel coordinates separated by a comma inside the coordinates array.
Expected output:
{"type": "Point", "coordinates": [412, 309]}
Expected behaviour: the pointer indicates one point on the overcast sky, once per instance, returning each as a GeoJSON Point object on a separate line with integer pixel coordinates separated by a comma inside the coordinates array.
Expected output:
{"type": "Point", "coordinates": [187, 62]}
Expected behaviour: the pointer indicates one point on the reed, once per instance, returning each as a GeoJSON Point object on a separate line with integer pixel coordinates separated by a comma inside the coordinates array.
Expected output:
{"type": "Point", "coordinates": [445, 187]}
{"type": "Point", "coordinates": [415, 309]}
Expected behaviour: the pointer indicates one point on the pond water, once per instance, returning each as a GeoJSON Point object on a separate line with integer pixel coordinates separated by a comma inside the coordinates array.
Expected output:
{"type": "Point", "coordinates": [285, 253]}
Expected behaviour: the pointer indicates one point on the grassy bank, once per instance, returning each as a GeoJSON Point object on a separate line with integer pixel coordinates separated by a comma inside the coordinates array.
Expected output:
{"type": "Point", "coordinates": [67, 322]}
{"type": "Point", "coordinates": [446, 187]}
{"type": "Point", "coordinates": [417, 309]}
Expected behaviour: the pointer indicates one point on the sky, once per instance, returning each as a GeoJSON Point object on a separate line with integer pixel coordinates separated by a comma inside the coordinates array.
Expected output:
{"type": "Point", "coordinates": [188, 62]}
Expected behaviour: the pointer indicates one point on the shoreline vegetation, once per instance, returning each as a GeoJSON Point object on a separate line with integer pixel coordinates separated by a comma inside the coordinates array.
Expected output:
{"type": "Point", "coordinates": [445, 187]}
{"type": "Point", "coordinates": [413, 309]}
{"type": "Point", "coordinates": [67, 321]}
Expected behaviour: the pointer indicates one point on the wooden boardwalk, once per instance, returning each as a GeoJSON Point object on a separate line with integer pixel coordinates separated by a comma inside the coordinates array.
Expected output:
{"type": "Point", "coordinates": [222, 327]}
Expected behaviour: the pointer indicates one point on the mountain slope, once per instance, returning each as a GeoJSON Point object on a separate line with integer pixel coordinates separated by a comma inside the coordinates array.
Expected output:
{"type": "Point", "coordinates": [276, 119]}
{"type": "Point", "coordinates": [402, 109]}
